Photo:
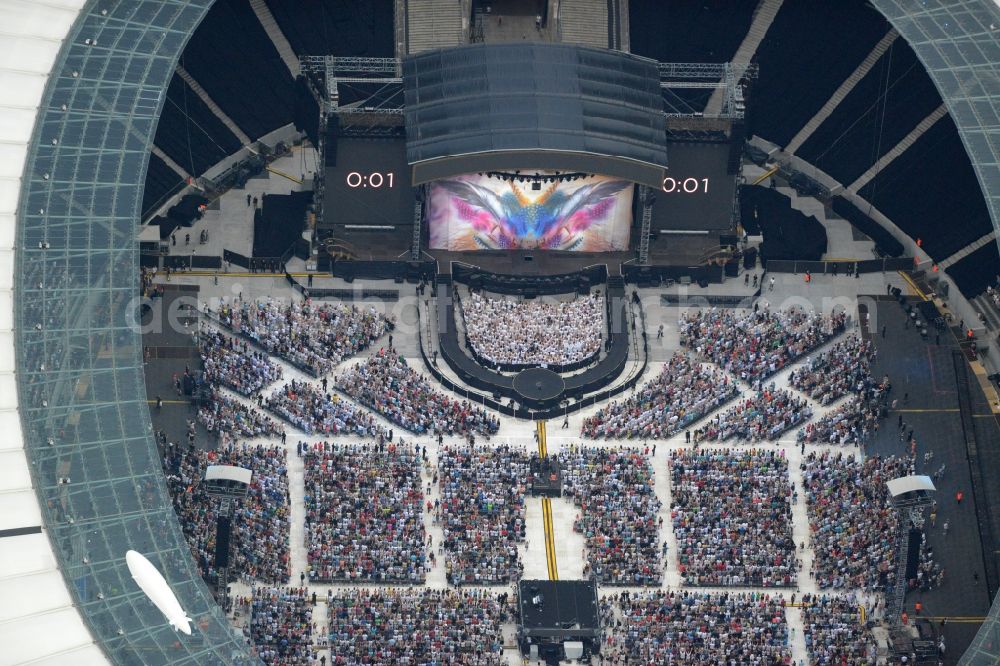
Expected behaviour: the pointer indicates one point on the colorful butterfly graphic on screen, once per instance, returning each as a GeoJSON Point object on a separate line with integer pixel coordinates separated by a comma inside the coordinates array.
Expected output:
{"type": "Point", "coordinates": [554, 219]}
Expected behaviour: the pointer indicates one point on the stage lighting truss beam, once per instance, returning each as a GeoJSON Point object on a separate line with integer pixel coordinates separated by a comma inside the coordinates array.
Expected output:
{"type": "Point", "coordinates": [335, 70]}
{"type": "Point", "coordinates": [706, 76]}
{"type": "Point", "coordinates": [706, 70]}
{"type": "Point", "coordinates": [386, 80]}
{"type": "Point", "coordinates": [351, 64]}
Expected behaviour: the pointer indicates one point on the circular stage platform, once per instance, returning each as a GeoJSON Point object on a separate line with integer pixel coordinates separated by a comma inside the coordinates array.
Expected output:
{"type": "Point", "coordinates": [539, 385]}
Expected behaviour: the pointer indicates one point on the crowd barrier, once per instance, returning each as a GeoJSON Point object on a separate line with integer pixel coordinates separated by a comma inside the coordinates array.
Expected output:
{"type": "Point", "coordinates": [840, 267]}
{"type": "Point", "coordinates": [514, 367]}
{"type": "Point", "coordinates": [522, 412]}
{"type": "Point", "coordinates": [651, 276]}
{"type": "Point", "coordinates": [529, 285]}
{"type": "Point", "coordinates": [474, 374]}
{"type": "Point", "coordinates": [364, 294]}
{"type": "Point", "coordinates": [180, 262]}
{"type": "Point", "coordinates": [719, 301]}
{"type": "Point", "coordinates": [400, 271]}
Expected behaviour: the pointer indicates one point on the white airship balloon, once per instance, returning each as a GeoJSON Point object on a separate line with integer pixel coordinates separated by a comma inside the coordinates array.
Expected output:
{"type": "Point", "coordinates": [155, 586]}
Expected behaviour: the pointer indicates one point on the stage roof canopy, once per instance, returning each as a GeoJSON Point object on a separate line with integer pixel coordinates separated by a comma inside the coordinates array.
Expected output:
{"type": "Point", "coordinates": [497, 107]}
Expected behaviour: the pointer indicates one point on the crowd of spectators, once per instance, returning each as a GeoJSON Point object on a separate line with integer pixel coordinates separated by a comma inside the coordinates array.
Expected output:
{"type": "Point", "coordinates": [533, 332]}
{"type": "Point", "coordinates": [364, 513]}
{"type": "Point", "coordinates": [993, 292]}
{"type": "Point", "coordinates": [312, 410]}
{"type": "Point", "coordinates": [732, 517]}
{"type": "Point", "coordinates": [755, 345]}
{"type": "Point", "coordinates": [851, 520]}
{"type": "Point", "coordinates": [482, 512]}
{"type": "Point", "coordinates": [146, 286]}
{"type": "Point", "coordinates": [280, 625]}
{"type": "Point", "coordinates": [388, 385]}
{"type": "Point", "coordinates": [851, 423]}
{"type": "Point", "coordinates": [929, 572]}
{"type": "Point", "coordinates": [227, 417]}
{"type": "Point", "coordinates": [834, 633]}
{"type": "Point", "coordinates": [618, 513]}
{"type": "Point", "coordinates": [682, 627]}
{"type": "Point", "coordinates": [762, 416]}
{"type": "Point", "coordinates": [682, 393]}
{"type": "Point", "coordinates": [314, 337]}
{"type": "Point", "coordinates": [260, 527]}
{"type": "Point", "coordinates": [844, 368]}
{"type": "Point", "coordinates": [231, 362]}
{"type": "Point", "coordinates": [393, 626]}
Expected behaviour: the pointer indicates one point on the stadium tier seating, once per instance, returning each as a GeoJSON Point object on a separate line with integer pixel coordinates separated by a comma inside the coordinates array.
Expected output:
{"type": "Point", "coordinates": [236, 63]}
{"type": "Point", "coordinates": [161, 182]}
{"type": "Point", "coordinates": [685, 31]}
{"type": "Point", "coordinates": [807, 53]}
{"type": "Point", "coordinates": [788, 234]}
{"type": "Point", "coordinates": [336, 27]}
{"type": "Point", "coordinates": [189, 133]}
{"type": "Point", "coordinates": [882, 109]}
{"type": "Point", "coordinates": [976, 271]}
{"type": "Point", "coordinates": [279, 223]}
{"type": "Point", "coordinates": [886, 244]}
{"type": "Point", "coordinates": [931, 192]}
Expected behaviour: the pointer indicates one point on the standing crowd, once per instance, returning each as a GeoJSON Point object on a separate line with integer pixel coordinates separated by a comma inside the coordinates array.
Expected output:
{"type": "Point", "coordinates": [227, 417]}
{"type": "Point", "coordinates": [364, 513]}
{"type": "Point", "coordinates": [656, 627]}
{"type": "Point", "coordinates": [618, 513]}
{"type": "Point", "coordinates": [482, 512]}
{"type": "Point", "coordinates": [386, 383]}
{"type": "Point", "coordinates": [231, 362]}
{"type": "Point", "coordinates": [281, 625]}
{"type": "Point", "coordinates": [313, 410]}
{"type": "Point", "coordinates": [852, 523]}
{"type": "Point", "coordinates": [732, 517]}
{"type": "Point", "coordinates": [852, 423]}
{"type": "Point", "coordinates": [681, 394]}
{"type": "Point", "coordinates": [397, 626]}
{"type": "Point", "coordinates": [842, 369]}
{"type": "Point", "coordinates": [312, 336]}
{"type": "Point", "coordinates": [834, 633]}
{"type": "Point", "coordinates": [755, 345]}
{"type": "Point", "coordinates": [761, 417]}
{"type": "Point", "coordinates": [533, 332]}
{"type": "Point", "coordinates": [260, 527]}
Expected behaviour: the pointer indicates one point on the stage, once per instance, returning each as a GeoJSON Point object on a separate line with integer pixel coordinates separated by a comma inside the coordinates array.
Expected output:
{"type": "Point", "coordinates": [556, 614]}
{"type": "Point", "coordinates": [369, 200]}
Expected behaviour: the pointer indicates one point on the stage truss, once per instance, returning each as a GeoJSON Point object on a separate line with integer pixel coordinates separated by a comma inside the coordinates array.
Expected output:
{"type": "Point", "coordinates": [366, 97]}
{"type": "Point", "coordinates": [374, 87]}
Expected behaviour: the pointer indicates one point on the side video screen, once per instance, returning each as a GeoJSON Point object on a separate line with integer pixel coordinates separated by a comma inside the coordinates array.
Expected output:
{"type": "Point", "coordinates": [581, 213]}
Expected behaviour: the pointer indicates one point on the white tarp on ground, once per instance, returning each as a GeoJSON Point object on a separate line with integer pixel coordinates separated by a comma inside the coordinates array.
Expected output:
{"type": "Point", "coordinates": [38, 623]}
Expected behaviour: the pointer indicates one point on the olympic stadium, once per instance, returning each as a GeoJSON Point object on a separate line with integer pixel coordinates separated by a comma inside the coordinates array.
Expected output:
{"type": "Point", "coordinates": [500, 331]}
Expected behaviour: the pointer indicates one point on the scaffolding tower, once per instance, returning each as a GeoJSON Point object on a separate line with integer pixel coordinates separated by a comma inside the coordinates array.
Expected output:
{"type": "Point", "coordinates": [226, 483]}
{"type": "Point", "coordinates": [909, 496]}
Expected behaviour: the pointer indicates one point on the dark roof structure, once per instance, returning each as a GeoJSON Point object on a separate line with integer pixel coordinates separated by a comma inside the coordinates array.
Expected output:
{"type": "Point", "coordinates": [536, 106]}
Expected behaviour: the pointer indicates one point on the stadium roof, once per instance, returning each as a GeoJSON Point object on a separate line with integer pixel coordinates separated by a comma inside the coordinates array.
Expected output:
{"type": "Point", "coordinates": [79, 190]}
{"type": "Point", "coordinates": [86, 124]}
{"type": "Point", "coordinates": [38, 622]}
{"type": "Point", "coordinates": [494, 107]}
{"type": "Point", "coordinates": [958, 42]}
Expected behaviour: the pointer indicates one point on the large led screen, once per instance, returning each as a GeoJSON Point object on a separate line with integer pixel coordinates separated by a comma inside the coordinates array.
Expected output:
{"type": "Point", "coordinates": [497, 212]}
